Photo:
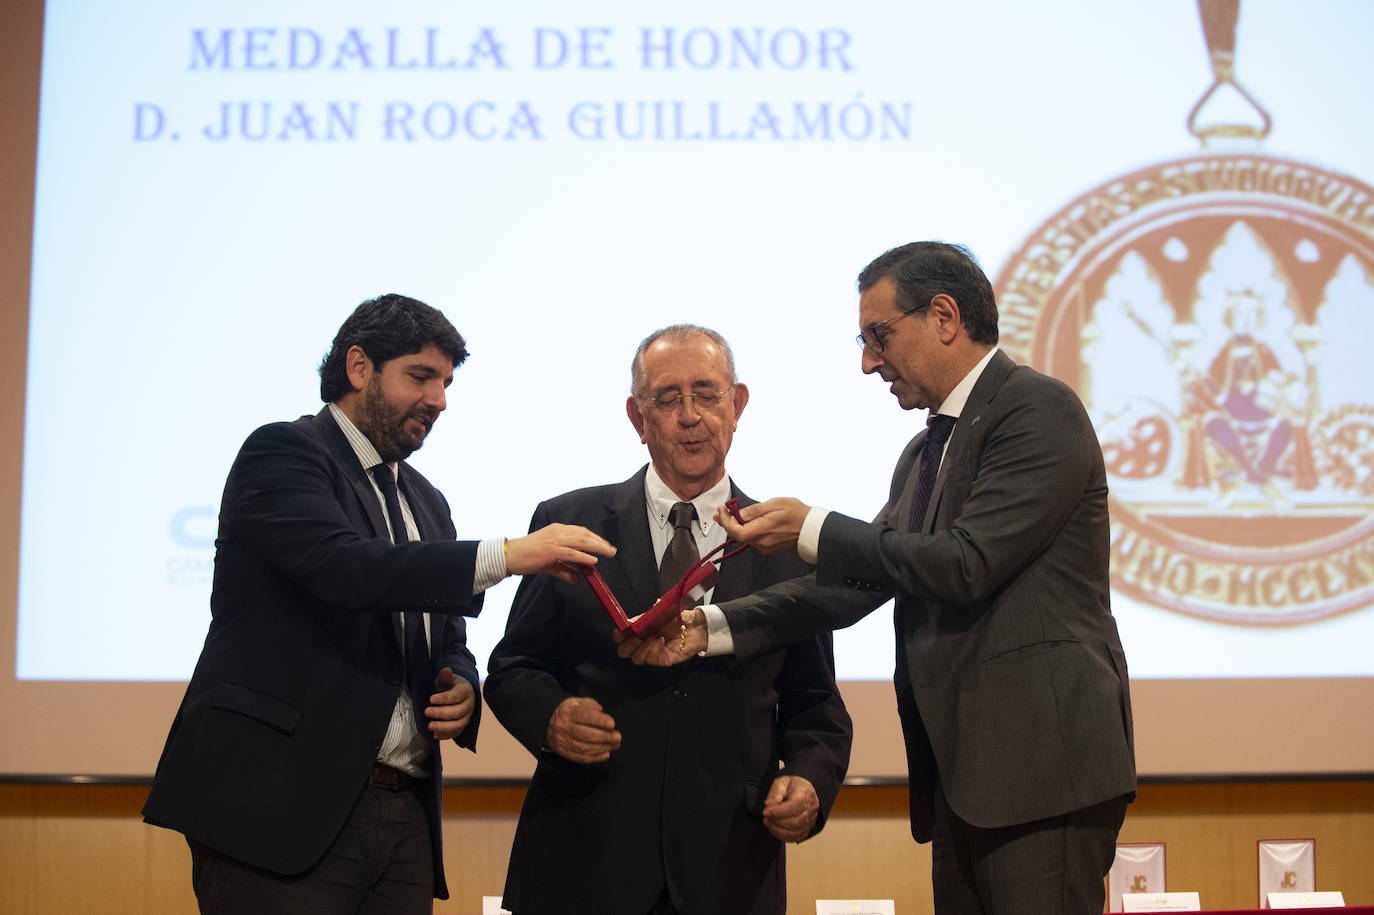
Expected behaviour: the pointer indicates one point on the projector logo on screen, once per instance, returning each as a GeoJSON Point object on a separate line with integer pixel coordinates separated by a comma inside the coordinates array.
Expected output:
{"type": "Point", "coordinates": [1215, 313]}
{"type": "Point", "coordinates": [191, 530]}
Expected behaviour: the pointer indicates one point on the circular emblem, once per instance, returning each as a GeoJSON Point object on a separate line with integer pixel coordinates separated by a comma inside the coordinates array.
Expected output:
{"type": "Point", "coordinates": [1203, 309]}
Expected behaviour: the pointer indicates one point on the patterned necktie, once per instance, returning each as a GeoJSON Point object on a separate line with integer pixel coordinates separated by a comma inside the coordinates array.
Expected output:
{"type": "Point", "coordinates": [413, 623]}
{"type": "Point", "coordinates": [682, 553]}
{"type": "Point", "coordinates": [938, 427]}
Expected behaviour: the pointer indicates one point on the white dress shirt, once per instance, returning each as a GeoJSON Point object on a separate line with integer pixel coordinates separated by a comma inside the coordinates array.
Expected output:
{"type": "Point", "coordinates": [719, 639]}
{"type": "Point", "coordinates": [659, 500]}
{"type": "Point", "coordinates": [404, 747]}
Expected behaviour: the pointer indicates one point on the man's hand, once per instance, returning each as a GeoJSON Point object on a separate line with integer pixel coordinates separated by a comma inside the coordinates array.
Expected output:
{"type": "Point", "coordinates": [791, 808]}
{"type": "Point", "coordinates": [451, 707]}
{"type": "Point", "coordinates": [769, 527]}
{"type": "Point", "coordinates": [549, 548]}
{"type": "Point", "coordinates": [581, 732]}
{"type": "Point", "coordinates": [677, 640]}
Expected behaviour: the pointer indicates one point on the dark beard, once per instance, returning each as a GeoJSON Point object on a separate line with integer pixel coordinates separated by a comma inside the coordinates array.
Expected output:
{"type": "Point", "coordinates": [384, 425]}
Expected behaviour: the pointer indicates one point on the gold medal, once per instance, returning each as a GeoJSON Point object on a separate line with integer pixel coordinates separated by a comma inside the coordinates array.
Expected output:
{"type": "Point", "coordinates": [1198, 306]}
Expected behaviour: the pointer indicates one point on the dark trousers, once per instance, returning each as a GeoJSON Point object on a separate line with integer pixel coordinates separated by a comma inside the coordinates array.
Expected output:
{"type": "Point", "coordinates": [379, 864]}
{"type": "Point", "coordinates": [1054, 866]}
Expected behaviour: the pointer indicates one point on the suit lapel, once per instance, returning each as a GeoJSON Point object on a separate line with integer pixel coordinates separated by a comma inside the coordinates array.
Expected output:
{"type": "Point", "coordinates": [984, 390]}
{"type": "Point", "coordinates": [360, 482]}
{"type": "Point", "coordinates": [628, 529]}
{"type": "Point", "coordinates": [353, 471]}
{"type": "Point", "coordinates": [426, 523]}
{"type": "Point", "coordinates": [633, 573]}
{"type": "Point", "coordinates": [737, 575]}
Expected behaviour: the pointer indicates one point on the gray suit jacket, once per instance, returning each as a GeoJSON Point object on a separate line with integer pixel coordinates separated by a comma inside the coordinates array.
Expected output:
{"type": "Point", "coordinates": [1010, 677]}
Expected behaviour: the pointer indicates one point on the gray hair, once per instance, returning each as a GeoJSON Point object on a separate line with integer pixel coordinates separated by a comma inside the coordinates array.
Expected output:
{"type": "Point", "coordinates": [676, 333]}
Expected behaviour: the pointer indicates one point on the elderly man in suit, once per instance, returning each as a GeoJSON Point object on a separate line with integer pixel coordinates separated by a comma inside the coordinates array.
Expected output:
{"type": "Point", "coordinates": [663, 791]}
{"type": "Point", "coordinates": [303, 765]}
{"type": "Point", "coordinates": [1011, 681]}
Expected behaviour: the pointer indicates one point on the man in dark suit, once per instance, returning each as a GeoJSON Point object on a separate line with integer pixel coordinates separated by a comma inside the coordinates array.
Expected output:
{"type": "Point", "coordinates": [659, 791]}
{"type": "Point", "coordinates": [1011, 682]}
{"type": "Point", "coordinates": [303, 765]}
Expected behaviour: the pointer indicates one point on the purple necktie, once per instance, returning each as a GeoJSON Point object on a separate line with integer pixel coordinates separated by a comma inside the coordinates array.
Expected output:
{"type": "Point", "coordinates": [938, 427]}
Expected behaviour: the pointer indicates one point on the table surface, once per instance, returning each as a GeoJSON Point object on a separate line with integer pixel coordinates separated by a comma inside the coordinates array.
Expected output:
{"type": "Point", "coordinates": [1348, 910]}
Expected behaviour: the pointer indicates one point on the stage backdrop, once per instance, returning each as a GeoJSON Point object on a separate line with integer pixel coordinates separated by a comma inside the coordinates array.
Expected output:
{"type": "Point", "coordinates": [1173, 198]}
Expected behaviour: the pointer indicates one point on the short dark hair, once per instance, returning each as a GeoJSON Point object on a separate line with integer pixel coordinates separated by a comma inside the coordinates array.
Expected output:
{"type": "Point", "coordinates": [388, 326]}
{"type": "Point", "coordinates": [675, 333]}
{"type": "Point", "coordinates": [924, 269]}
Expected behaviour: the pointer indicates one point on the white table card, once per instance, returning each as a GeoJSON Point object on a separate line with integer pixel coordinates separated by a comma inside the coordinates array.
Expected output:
{"type": "Point", "coordinates": [855, 907]}
{"type": "Point", "coordinates": [1160, 902]}
{"type": "Point", "coordinates": [1327, 899]}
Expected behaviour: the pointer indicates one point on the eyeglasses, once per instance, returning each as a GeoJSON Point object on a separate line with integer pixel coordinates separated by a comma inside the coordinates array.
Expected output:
{"type": "Point", "coordinates": [706, 399]}
{"type": "Point", "coordinates": [871, 337]}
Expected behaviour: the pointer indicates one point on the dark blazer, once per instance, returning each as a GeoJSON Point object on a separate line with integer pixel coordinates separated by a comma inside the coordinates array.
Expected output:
{"type": "Point", "coordinates": [291, 697]}
{"type": "Point", "coordinates": [1010, 678]}
{"type": "Point", "coordinates": [701, 742]}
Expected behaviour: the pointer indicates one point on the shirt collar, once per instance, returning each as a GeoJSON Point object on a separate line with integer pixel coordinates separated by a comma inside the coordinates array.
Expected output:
{"type": "Point", "coordinates": [362, 445]}
{"type": "Point", "coordinates": [661, 500]}
{"type": "Point", "coordinates": [954, 403]}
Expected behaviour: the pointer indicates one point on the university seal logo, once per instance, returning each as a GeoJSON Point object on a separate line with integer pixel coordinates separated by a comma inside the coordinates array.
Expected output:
{"type": "Point", "coordinates": [1200, 308]}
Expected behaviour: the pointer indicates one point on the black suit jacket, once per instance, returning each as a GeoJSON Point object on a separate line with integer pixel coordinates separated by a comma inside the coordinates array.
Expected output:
{"type": "Point", "coordinates": [681, 799]}
{"type": "Point", "coordinates": [1011, 681]}
{"type": "Point", "coordinates": [291, 697]}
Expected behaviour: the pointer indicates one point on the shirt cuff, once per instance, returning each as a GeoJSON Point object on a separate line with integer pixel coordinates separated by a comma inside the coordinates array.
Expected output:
{"type": "Point", "coordinates": [490, 568]}
{"type": "Point", "coordinates": [719, 639]}
{"type": "Point", "coordinates": [809, 537]}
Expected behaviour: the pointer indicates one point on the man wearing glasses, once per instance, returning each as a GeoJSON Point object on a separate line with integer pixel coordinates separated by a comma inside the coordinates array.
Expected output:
{"type": "Point", "coordinates": [1011, 682]}
{"type": "Point", "coordinates": [659, 791]}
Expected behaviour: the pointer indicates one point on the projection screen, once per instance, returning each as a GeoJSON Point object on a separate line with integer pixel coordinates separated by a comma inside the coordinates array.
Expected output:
{"type": "Point", "coordinates": [1159, 195]}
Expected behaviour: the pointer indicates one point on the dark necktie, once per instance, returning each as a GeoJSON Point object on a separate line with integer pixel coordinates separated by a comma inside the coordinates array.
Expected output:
{"type": "Point", "coordinates": [938, 427]}
{"type": "Point", "coordinates": [413, 623]}
{"type": "Point", "coordinates": [682, 553]}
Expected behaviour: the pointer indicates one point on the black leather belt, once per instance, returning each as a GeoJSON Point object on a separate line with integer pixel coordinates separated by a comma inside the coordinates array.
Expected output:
{"type": "Point", "coordinates": [384, 776]}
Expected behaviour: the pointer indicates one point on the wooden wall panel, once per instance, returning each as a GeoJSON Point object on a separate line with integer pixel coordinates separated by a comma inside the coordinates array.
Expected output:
{"type": "Point", "coordinates": [83, 848]}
